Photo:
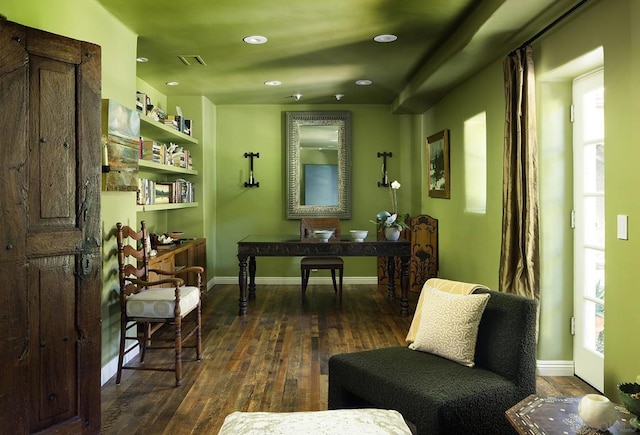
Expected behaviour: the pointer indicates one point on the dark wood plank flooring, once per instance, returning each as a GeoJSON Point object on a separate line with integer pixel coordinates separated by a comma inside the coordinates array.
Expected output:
{"type": "Point", "coordinates": [273, 359]}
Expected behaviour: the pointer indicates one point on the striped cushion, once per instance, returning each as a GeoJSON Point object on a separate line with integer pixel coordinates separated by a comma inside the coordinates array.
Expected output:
{"type": "Point", "coordinates": [160, 302]}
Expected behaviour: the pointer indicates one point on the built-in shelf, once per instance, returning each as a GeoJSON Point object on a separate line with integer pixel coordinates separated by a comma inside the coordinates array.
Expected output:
{"type": "Point", "coordinates": [162, 133]}
{"type": "Point", "coordinates": [166, 169]}
{"type": "Point", "coordinates": [173, 206]}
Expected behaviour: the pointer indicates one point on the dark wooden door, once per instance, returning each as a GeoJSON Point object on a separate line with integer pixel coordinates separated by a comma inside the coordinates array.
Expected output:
{"type": "Point", "coordinates": [50, 236]}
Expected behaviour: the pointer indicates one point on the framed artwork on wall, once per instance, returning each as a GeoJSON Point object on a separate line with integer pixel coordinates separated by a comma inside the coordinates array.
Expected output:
{"type": "Point", "coordinates": [438, 164]}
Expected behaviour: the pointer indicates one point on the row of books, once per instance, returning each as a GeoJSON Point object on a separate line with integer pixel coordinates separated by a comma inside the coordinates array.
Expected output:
{"type": "Point", "coordinates": [179, 123]}
{"type": "Point", "coordinates": [152, 192]}
{"type": "Point", "coordinates": [160, 153]}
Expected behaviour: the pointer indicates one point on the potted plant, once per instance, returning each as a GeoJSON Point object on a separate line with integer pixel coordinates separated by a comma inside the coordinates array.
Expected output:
{"type": "Point", "coordinates": [391, 223]}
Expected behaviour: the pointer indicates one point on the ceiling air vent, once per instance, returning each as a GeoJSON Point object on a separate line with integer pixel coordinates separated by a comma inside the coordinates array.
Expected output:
{"type": "Point", "coordinates": [192, 59]}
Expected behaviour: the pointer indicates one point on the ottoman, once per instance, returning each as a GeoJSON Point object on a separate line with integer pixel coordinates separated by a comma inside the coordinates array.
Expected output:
{"type": "Point", "coordinates": [342, 421]}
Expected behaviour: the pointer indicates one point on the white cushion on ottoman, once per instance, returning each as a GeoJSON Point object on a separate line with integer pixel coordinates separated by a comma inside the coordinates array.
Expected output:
{"type": "Point", "coordinates": [341, 421]}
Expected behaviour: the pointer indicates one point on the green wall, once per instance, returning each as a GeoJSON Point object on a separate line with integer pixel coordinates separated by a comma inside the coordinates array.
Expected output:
{"type": "Point", "coordinates": [242, 211]}
{"type": "Point", "coordinates": [470, 244]}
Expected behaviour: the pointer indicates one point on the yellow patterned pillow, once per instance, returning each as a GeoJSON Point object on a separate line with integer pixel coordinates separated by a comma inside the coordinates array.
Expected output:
{"type": "Point", "coordinates": [449, 325]}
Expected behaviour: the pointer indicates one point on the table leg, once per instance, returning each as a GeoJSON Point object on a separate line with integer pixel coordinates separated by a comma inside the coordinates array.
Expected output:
{"type": "Point", "coordinates": [391, 270]}
{"type": "Point", "coordinates": [252, 278]}
{"type": "Point", "coordinates": [404, 285]}
{"type": "Point", "coordinates": [242, 284]}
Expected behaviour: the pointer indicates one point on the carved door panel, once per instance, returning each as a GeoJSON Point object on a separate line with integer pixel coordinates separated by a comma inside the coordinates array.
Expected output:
{"type": "Point", "coordinates": [14, 327]}
{"type": "Point", "coordinates": [50, 176]}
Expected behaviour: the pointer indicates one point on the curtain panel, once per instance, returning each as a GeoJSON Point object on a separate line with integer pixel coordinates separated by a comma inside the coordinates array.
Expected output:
{"type": "Point", "coordinates": [520, 250]}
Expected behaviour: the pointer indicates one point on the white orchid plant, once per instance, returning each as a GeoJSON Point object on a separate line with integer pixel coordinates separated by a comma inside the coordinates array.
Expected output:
{"type": "Point", "coordinates": [386, 219]}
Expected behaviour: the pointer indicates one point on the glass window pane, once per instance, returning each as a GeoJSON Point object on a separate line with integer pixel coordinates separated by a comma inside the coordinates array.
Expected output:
{"type": "Point", "coordinates": [593, 273]}
{"type": "Point", "coordinates": [593, 103]}
{"type": "Point", "coordinates": [594, 327]}
{"type": "Point", "coordinates": [475, 163]}
{"type": "Point", "coordinates": [593, 221]}
{"type": "Point", "coordinates": [593, 168]}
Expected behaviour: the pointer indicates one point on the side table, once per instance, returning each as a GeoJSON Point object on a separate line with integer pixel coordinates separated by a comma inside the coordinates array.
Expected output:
{"type": "Point", "coordinates": [537, 415]}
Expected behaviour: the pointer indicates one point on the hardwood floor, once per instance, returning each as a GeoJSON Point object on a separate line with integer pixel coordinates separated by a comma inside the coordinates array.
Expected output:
{"type": "Point", "coordinates": [272, 359]}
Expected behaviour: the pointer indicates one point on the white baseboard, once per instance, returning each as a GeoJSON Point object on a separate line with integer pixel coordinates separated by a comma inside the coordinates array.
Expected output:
{"type": "Point", "coordinates": [294, 280]}
{"type": "Point", "coordinates": [555, 368]}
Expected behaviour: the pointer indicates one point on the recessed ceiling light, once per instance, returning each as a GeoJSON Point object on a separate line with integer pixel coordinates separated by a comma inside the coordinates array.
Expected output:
{"type": "Point", "coordinates": [273, 83]}
{"type": "Point", "coordinates": [172, 83]}
{"type": "Point", "coordinates": [385, 38]}
{"type": "Point", "coordinates": [363, 82]}
{"type": "Point", "coordinates": [255, 39]}
{"type": "Point", "coordinates": [142, 59]}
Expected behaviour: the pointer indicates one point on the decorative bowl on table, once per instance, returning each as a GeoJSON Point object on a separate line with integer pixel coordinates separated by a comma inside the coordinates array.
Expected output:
{"type": "Point", "coordinates": [630, 394]}
{"type": "Point", "coordinates": [175, 235]}
{"type": "Point", "coordinates": [358, 235]}
{"type": "Point", "coordinates": [323, 235]}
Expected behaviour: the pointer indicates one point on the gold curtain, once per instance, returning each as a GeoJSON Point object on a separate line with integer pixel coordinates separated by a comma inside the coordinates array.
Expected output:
{"type": "Point", "coordinates": [520, 253]}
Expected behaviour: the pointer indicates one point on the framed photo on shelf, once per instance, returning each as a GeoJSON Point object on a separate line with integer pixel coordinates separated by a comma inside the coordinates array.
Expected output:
{"type": "Point", "coordinates": [438, 165]}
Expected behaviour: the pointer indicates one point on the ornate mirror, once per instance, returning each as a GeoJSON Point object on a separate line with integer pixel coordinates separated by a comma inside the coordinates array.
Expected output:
{"type": "Point", "coordinates": [318, 164]}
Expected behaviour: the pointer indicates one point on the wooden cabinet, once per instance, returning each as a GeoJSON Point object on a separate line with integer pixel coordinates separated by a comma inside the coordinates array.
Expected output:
{"type": "Point", "coordinates": [50, 325]}
{"type": "Point", "coordinates": [424, 263]}
{"type": "Point", "coordinates": [178, 256]}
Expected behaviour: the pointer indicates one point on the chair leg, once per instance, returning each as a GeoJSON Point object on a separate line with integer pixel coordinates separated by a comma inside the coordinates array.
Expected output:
{"type": "Point", "coordinates": [341, 272]}
{"type": "Point", "coordinates": [123, 334]}
{"type": "Point", "coordinates": [199, 333]}
{"type": "Point", "coordinates": [305, 280]}
{"type": "Point", "coordinates": [145, 341]}
{"type": "Point", "coordinates": [333, 278]}
{"type": "Point", "coordinates": [178, 345]}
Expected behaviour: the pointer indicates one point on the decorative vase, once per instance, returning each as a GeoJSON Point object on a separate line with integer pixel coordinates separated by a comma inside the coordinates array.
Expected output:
{"type": "Point", "coordinates": [597, 412]}
{"type": "Point", "coordinates": [392, 233]}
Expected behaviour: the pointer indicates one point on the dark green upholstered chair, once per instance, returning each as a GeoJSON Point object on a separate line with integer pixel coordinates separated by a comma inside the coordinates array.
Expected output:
{"type": "Point", "coordinates": [437, 395]}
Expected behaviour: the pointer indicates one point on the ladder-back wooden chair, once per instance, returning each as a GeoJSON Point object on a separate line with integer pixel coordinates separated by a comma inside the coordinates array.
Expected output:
{"type": "Point", "coordinates": [307, 264]}
{"type": "Point", "coordinates": [145, 307]}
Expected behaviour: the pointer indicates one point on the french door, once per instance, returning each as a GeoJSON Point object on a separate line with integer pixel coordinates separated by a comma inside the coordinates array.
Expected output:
{"type": "Point", "coordinates": [589, 224]}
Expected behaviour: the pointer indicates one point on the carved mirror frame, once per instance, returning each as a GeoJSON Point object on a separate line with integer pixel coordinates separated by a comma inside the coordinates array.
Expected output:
{"type": "Point", "coordinates": [294, 120]}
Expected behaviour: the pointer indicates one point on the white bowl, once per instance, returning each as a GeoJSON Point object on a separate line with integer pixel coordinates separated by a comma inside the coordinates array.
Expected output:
{"type": "Point", "coordinates": [323, 235]}
{"type": "Point", "coordinates": [358, 235]}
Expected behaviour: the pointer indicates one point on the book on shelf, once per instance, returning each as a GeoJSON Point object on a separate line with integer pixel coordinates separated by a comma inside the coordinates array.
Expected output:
{"type": "Point", "coordinates": [153, 151]}
{"type": "Point", "coordinates": [146, 192]}
{"type": "Point", "coordinates": [143, 103]}
{"type": "Point", "coordinates": [152, 192]}
{"type": "Point", "coordinates": [164, 192]}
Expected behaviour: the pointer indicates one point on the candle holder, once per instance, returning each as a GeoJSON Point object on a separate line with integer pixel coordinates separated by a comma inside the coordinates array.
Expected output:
{"type": "Point", "coordinates": [385, 179]}
{"type": "Point", "coordinates": [252, 182]}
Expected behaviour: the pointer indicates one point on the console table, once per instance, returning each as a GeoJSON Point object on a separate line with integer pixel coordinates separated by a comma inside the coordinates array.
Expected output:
{"type": "Point", "coordinates": [291, 246]}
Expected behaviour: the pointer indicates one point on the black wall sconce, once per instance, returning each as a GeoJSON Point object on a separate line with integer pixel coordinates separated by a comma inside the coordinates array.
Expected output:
{"type": "Point", "coordinates": [252, 182]}
{"type": "Point", "coordinates": [385, 180]}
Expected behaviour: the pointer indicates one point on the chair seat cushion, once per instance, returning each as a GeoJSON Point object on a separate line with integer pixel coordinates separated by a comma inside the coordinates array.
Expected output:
{"type": "Point", "coordinates": [351, 421]}
{"type": "Point", "coordinates": [160, 302]}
